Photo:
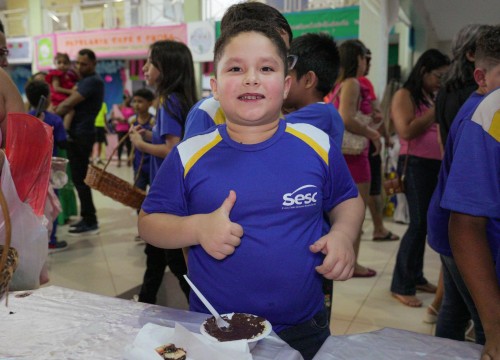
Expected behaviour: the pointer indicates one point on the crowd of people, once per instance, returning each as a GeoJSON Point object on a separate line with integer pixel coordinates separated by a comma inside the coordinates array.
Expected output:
{"type": "Point", "coordinates": [274, 172]}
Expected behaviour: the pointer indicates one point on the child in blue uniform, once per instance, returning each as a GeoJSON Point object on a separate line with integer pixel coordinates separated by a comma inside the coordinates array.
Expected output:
{"type": "Point", "coordinates": [207, 113]}
{"type": "Point", "coordinates": [472, 195]}
{"type": "Point", "coordinates": [248, 198]}
{"type": "Point", "coordinates": [312, 78]}
{"type": "Point", "coordinates": [170, 70]}
{"type": "Point", "coordinates": [35, 89]}
{"type": "Point", "coordinates": [142, 100]}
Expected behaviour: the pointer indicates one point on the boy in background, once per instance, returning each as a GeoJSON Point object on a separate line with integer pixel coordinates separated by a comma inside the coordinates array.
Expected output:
{"type": "Point", "coordinates": [312, 78]}
{"type": "Point", "coordinates": [142, 100]}
{"type": "Point", "coordinates": [35, 89]}
{"type": "Point", "coordinates": [261, 249]}
{"type": "Point", "coordinates": [472, 194]}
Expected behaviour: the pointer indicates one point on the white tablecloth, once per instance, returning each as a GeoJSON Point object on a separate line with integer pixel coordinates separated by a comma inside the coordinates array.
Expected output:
{"type": "Point", "coordinates": [59, 323]}
{"type": "Point", "coordinates": [393, 344]}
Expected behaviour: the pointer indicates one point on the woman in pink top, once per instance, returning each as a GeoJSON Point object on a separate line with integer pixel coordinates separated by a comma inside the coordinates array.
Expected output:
{"type": "Point", "coordinates": [414, 120]}
{"type": "Point", "coordinates": [346, 96]}
{"type": "Point", "coordinates": [119, 116]}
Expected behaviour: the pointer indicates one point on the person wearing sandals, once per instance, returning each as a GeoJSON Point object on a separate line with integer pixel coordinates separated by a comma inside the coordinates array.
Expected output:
{"type": "Point", "coordinates": [457, 87]}
{"type": "Point", "coordinates": [346, 96]}
{"type": "Point", "coordinates": [413, 114]}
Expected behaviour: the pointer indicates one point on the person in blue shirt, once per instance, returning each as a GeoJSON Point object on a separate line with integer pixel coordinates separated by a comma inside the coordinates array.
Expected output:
{"type": "Point", "coordinates": [248, 198]}
{"type": "Point", "coordinates": [35, 89]}
{"type": "Point", "coordinates": [456, 306]}
{"type": "Point", "coordinates": [472, 195]}
{"type": "Point", "coordinates": [87, 102]}
{"type": "Point", "coordinates": [207, 113]}
{"type": "Point", "coordinates": [312, 77]}
{"type": "Point", "coordinates": [142, 100]}
{"type": "Point", "coordinates": [170, 70]}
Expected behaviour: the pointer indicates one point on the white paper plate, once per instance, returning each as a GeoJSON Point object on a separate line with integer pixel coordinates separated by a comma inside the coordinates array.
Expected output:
{"type": "Point", "coordinates": [265, 332]}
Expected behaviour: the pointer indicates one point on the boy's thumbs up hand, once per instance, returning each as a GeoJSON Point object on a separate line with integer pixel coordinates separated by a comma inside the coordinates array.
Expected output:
{"type": "Point", "coordinates": [217, 234]}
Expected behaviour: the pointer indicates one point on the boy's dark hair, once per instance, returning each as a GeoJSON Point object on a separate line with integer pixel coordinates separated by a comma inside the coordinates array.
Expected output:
{"type": "Point", "coordinates": [349, 51]}
{"type": "Point", "coordinates": [250, 26]}
{"type": "Point", "coordinates": [145, 94]}
{"type": "Point", "coordinates": [34, 90]}
{"type": "Point", "coordinates": [429, 61]}
{"type": "Point", "coordinates": [317, 53]}
{"type": "Point", "coordinates": [2, 29]}
{"type": "Point", "coordinates": [62, 56]}
{"type": "Point", "coordinates": [255, 11]}
{"type": "Point", "coordinates": [174, 61]}
{"type": "Point", "coordinates": [90, 54]}
{"type": "Point", "coordinates": [488, 48]}
{"type": "Point", "coordinates": [35, 75]}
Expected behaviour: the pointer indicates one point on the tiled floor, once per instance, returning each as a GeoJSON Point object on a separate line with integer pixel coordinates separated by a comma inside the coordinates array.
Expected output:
{"type": "Point", "coordinates": [112, 264]}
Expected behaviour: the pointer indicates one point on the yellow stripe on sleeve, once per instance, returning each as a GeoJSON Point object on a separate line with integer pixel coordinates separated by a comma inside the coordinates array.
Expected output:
{"type": "Point", "coordinates": [202, 151]}
{"type": "Point", "coordinates": [494, 129]}
{"type": "Point", "coordinates": [321, 150]}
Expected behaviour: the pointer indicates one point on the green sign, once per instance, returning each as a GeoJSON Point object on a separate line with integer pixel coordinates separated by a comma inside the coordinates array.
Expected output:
{"type": "Point", "coordinates": [45, 52]}
{"type": "Point", "coordinates": [341, 23]}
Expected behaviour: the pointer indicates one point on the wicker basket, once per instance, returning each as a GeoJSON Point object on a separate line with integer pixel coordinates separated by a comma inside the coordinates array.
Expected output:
{"type": "Point", "coordinates": [9, 257]}
{"type": "Point", "coordinates": [112, 186]}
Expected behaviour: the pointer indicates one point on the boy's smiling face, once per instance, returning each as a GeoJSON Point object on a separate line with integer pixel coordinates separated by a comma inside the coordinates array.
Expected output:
{"type": "Point", "coordinates": [250, 83]}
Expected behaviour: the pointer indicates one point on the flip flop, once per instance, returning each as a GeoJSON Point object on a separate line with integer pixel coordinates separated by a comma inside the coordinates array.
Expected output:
{"type": "Point", "coordinates": [389, 237]}
{"type": "Point", "coordinates": [408, 300]}
{"type": "Point", "coordinates": [431, 315]}
{"type": "Point", "coordinates": [369, 273]}
{"type": "Point", "coordinates": [428, 288]}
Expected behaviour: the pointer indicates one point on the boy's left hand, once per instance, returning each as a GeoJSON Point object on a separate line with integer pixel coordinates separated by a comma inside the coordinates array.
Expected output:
{"type": "Point", "coordinates": [340, 258]}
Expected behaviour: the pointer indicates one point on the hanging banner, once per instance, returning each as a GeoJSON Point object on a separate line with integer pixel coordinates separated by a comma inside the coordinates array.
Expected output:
{"type": "Point", "coordinates": [341, 23]}
{"type": "Point", "coordinates": [119, 43]}
{"type": "Point", "coordinates": [45, 49]}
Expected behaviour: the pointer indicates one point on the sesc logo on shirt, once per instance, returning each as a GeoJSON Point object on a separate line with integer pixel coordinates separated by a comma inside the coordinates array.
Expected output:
{"type": "Point", "coordinates": [302, 197]}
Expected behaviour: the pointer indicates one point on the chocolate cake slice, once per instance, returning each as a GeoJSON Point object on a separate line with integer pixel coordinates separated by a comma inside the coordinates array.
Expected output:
{"type": "Point", "coordinates": [241, 326]}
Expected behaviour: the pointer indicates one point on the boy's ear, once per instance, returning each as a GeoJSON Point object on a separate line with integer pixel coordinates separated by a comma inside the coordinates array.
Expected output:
{"type": "Point", "coordinates": [311, 79]}
{"type": "Point", "coordinates": [480, 77]}
{"type": "Point", "coordinates": [288, 84]}
{"type": "Point", "coordinates": [213, 86]}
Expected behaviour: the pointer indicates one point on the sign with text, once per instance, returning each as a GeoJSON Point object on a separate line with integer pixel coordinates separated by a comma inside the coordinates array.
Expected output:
{"type": "Point", "coordinates": [342, 23]}
{"type": "Point", "coordinates": [119, 43]}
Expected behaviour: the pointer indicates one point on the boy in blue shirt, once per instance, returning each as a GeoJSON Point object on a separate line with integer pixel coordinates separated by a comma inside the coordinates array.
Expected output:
{"type": "Point", "coordinates": [468, 193]}
{"type": "Point", "coordinates": [261, 249]}
{"type": "Point", "coordinates": [207, 113]}
{"type": "Point", "coordinates": [34, 91]}
{"type": "Point", "coordinates": [142, 100]}
{"type": "Point", "coordinates": [312, 77]}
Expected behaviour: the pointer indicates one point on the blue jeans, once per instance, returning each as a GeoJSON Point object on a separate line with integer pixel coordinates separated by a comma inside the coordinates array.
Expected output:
{"type": "Point", "coordinates": [308, 337]}
{"type": "Point", "coordinates": [457, 307]}
{"type": "Point", "coordinates": [420, 181]}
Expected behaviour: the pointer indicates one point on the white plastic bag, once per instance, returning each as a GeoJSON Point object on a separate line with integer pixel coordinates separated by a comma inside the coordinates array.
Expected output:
{"type": "Point", "coordinates": [402, 213]}
{"type": "Point", "coordinates": [29, 236]}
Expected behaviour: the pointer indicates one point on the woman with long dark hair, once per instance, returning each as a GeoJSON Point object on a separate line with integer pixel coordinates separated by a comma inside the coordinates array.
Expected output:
{"type": "Point", "coordinates": [347, 98]}
{"type": "Point", "coordinates": [413, 114]}
{"type": "Point", "coordinates": [170, 70]}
